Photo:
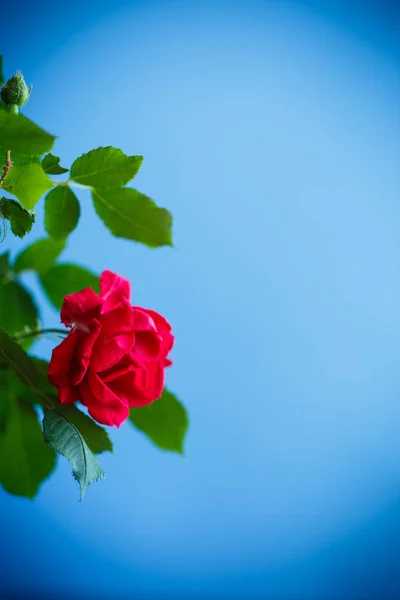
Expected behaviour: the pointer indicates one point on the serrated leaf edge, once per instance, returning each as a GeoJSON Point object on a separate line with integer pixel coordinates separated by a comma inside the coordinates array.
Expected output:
{"type": "Point", "coordinates": [83, 445]}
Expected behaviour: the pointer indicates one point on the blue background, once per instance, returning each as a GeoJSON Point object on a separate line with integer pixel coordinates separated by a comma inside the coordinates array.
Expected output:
{"type": "Point", "coordinates": [271, 131]}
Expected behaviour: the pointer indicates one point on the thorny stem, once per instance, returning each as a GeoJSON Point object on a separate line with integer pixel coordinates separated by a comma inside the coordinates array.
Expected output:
{"type": "Point", "coordinates": [38, 332]}
{"type": "Point", "coordinates": [7, 167]}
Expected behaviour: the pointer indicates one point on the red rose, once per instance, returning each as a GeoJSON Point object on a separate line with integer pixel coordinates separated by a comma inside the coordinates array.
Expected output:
{"type": "Point", "coordinates": [114, 356]}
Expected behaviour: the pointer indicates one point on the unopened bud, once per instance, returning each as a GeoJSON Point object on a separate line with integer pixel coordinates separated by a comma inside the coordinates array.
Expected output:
{"type": "Point", "coordinates": [15, 91]}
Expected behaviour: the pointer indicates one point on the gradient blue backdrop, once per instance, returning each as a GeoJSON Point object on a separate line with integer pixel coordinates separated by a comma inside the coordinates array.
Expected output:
{"type": "Point", "coordinates": [271, 131]}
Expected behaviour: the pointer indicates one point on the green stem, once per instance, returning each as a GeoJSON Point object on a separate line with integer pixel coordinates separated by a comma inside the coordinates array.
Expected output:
{"type": "Point", "coordinates": [38, 332]}
{"type": "Point", "coordinates": [7, 167]}
{"type": "Point", "coordinates": [13, 109]}
{"type": "Point", "coordinates": [71, 183]}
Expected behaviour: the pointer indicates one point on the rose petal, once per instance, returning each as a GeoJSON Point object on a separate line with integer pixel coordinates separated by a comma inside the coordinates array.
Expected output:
{"type": "Point", "coordinates": [147, 346]}
{"type": "Point", "coordinates": [107, 352]}
{"type": "Point", "coordinates": [129, 362]}
{"type": "Point", "coordinates": [142, 321]}
{"type": "Point", "coordinates": [80, 307]}
{"type": "Point", "coordinates": [141, 386]}
{"type": "Point", "coordinates": [117, 320]}
{"type": "Point", "coordinates": [113, 288]}
{"type": "Point", "coordinates": [68, 394]}
{"type": "Point", "coordinates": [84, 351]}
{"type": "Point", "coordinates": [61, 364]}
{"type": "Point", "coordinates": [167, 342]}
{"type": "Point", "coordinates": [160, 321]}
{"type": "Point", "coordinates": [145, 319]}
{"type": "Point", "coordinates": [155, 381]}
{"type": "Point", "coordinates": [103, 405]}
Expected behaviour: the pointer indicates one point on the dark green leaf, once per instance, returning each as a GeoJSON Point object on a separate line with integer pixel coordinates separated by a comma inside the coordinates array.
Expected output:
{"type": "Point", "coordinates": [39, 256]}
{"type": "Point", "coordinates": [64, 279]}
{"type": "Point", "coordinates": [47, 395]}
{"type": "Point", "coordinates": [1, 71]}
{"type": "Point", "coordinates": [28, 183]}
{"type": "Point", "coordinates": [4, 266]}
{"type": "Point", "coordinates": [21, 220]}
{"type": "Point", "coordinates": [19, 134]}
{"type": "Point", "coordinates": [164, 421]}
{"type": "Point", "coordinates": [51, 165]}
{"type": "Point", "coordinates": [17, 359]}
{"type": "Point", "coordinates": [42, 367]}
{"type": "Point", "coordinates": [105, 168]}
{"type": "Point", "coordinates": [62, 212]}
{"type": "Point", "coordinates": [18, 311]}
{"type": "Point", "coordinates": [129, 214]}
{"type": "Point", "coordinates": [9, 379]}
{"type": "Point", "coordinates": [65, 438]}
{"type": "Point", "coordinates": [95, 436]}
{"type": "Point", "coordinates": [25, 460]}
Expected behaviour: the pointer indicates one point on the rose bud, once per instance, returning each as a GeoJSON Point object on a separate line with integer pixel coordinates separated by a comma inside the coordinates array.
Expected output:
{"type": "Point", "coordinates": [15, 92]}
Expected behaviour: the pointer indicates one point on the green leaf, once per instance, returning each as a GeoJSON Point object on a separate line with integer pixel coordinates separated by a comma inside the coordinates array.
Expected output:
{"type": "Point", "coordinates": [25, 460]}
{"type": "Point", "coordinates": [17, 359]}
{"type": "Point", "coordinates": [62, 212]}
{"type": "Point", "coordinates": [20, 390]}
{"type": "Point", "coordinates": [42, 367]}
{"type": "Point", "coordinates": [105, 168]}
{"type": "Point", "coordinates": [51, 165]}
{"type": "Point", "coordinates": [129, 214]}
{"type": "Point", "coordinates": [64, 279]}
{"type": "Point", "coordinates": [21, 220]}
{"type": "Point", "coordinates": [65, 438]}
{"type": "Point", "coordinates": [14, 357]}
{"type": "Point", "coordinates": [164, 421]}
{"type": "Point", "coordinates": [95, 436]}
{"type": "Point", "coordinates": [4, 265]}
{"type": "Point", "coordinates": [18, 159]}
{"type": "Point", "coordinates": [18, 311]}
{"type": "Point", "coordinates": [28, 183]}
{"type": "Point", "coordinates": [1, 70]}
{"type": "Point", "coordinates": [39, 256]}
{"type": "Point", "coordinates": [20, 135]}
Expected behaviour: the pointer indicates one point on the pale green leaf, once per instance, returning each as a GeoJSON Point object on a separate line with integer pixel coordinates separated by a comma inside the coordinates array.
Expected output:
{"type": "Point", "coordinates": [164, 421]}
{"type": "Point", "coordinates": [129, 214]}
{"type": "Point", "coordinates": [105, 168]}
{"type": "Point", "coordinates": [21, 220]}
{"type": "Point", "coordinates": [39, 256]}
{"type": "Point", "coordinates": [20, 135]}
{"type": "Point", "coordinates": [28, 183]}
{"type": "Point", "coordinates": [64, 279]}
{"type": "Point", "coordinates": [62, 212]}
{"type": "Point", "coordinates": [62, 435]}
{"type": "Point", "coordinates": [51, 165]}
